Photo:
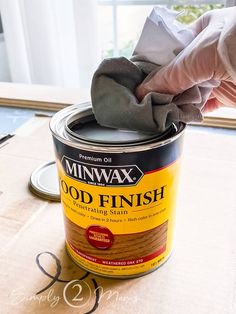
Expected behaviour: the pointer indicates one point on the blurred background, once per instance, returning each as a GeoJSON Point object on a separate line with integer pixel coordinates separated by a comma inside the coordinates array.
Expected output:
{"type": "Point", "coordinates": [61, 42]}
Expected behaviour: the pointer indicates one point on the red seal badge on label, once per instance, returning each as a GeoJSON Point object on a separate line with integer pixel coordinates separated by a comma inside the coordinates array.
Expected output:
{"type": "Point", "coordinates": [99, 237]}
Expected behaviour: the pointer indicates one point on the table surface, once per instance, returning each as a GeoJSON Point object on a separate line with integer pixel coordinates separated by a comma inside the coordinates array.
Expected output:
{"type": "Point", "coordinates": [200, 276]}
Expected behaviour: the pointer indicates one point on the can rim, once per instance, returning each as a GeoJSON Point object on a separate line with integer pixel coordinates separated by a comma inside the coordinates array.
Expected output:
{"type": "Point", "coordinates": [58, 131]}
{"type": "Point", "coordinates": [86, 115]}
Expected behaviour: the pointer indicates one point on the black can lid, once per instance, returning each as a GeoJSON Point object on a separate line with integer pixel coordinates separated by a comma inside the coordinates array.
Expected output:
{"type": "Point", "coordinates": [44, 182]}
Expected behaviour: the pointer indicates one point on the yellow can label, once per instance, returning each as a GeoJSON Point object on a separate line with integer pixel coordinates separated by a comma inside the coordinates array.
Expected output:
{"type": "Point", "coordinates": [119, 208]}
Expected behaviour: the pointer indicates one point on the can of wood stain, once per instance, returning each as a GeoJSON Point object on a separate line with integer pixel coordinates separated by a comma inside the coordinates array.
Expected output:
{"type": "Point", "coordinates": [118, 191]}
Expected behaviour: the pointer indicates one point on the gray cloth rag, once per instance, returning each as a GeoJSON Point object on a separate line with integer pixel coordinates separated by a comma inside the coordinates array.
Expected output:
{"type": "Point", "coordinates": [114, 82]}
{"type": "Point", "coordinates": [115, 105]}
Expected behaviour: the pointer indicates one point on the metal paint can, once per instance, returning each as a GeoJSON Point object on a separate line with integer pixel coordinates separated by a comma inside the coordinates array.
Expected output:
{"type": "Point", "coordinates": [118, 192]}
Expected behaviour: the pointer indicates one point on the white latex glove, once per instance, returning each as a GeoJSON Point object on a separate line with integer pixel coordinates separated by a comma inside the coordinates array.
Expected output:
{"type": "Point", "coordinates": [211, 55]}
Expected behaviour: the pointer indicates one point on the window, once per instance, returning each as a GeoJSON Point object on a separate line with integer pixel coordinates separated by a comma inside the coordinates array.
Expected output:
{"type": "Point", "coordinates": [121, 21]}
{"type": "Point", "coordinates": [57, 42]}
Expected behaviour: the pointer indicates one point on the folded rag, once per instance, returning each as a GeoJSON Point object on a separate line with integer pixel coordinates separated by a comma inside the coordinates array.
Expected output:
{"type": "Point", "coordinates": [115, 105]}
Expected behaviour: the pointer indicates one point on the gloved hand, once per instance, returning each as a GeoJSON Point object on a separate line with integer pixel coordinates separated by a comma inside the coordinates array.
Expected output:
{"type": "Point", "coordinates": [211, 55]}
